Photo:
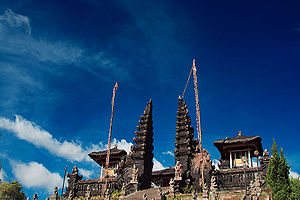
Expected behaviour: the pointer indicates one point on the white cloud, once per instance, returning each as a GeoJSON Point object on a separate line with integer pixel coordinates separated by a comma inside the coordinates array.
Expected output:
{"type": "Point", "coordinates": [157, 165]}
{"type": "Point", "coordinates": [168, 153]}
{"type": "Point", "coordinates": [216, 163]}
{"type": "Point", "coordinates": [86, 173]}
{"type": "Point", "coordinates": [294, 174]}
{"type": "Point", "coordinates": [2, 175]}
{"type": "Point", "coordinates": [123, 144]}
{"type": "Point", "coordinates": [32, 133]}
{"type": "Point", "coordinates": [35, 175]}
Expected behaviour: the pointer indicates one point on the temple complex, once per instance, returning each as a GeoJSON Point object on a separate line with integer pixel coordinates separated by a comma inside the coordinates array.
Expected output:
{"type": "Point", "coordinates": [132, 172]}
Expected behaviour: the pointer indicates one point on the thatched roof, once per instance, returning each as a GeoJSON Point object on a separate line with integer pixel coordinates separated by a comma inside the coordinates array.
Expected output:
{"type": "Point", "coordinates": [113, 151]}
{"type": "Point", "coordinates": [166, 171]}
{"type": "Point", "coordinates": [237, 139]}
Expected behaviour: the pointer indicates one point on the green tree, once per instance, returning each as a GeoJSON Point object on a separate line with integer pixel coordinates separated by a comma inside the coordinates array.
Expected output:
{"type": "Point", "coordinates": [295, 184]}
{"type": "Point", "coordinates": [11, 191]}
{"type": "Point", "coordinates": [278, 175]}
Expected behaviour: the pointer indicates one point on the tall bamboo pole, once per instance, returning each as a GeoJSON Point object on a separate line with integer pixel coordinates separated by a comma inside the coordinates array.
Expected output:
{"type": "Point", "coordinates": [63, 185]}
{"type": "Point", "coordinates": [198, 121]}
{"type": "Point", "coordinates": [109, 134]}
{"type": "Point", "coordinates": [197, 104]}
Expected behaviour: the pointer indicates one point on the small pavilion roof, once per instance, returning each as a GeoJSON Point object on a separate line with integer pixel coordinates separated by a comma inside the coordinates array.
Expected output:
{"type": "Point", "coordinates": [239, 141]}
{"type": "Point", "coordinates": [113, 151]}
{"type": "Point", "coordinates": [166, 171]}
{"type": "Point", "coordinates": [100, 156]}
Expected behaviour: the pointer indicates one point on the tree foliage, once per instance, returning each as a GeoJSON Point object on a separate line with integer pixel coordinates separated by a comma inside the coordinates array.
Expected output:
{"type": "Point", "coordinates": [295, 184]}
{"type": "Point", "coordinates": [11, 191]}
{"type": "Point", "coordinates": [278, 175]}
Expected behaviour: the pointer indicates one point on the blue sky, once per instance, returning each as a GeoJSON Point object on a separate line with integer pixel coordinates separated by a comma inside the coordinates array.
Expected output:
{"type": "Point", "coordinates": [59, 61]}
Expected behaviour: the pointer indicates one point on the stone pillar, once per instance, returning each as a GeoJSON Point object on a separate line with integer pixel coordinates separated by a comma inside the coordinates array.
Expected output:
{"type": "Point", "coordinates": [230, 159]}
{"type": "Point", "coordinates": [249, 159]}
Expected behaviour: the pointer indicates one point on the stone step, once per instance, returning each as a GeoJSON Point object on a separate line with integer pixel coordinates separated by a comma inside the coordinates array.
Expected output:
{"type": "Point", "coordinates": [152, 193]}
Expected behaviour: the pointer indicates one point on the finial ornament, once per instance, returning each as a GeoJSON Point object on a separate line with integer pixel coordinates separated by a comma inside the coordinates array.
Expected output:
{"type": "Point", "coordinates": [240, 133]}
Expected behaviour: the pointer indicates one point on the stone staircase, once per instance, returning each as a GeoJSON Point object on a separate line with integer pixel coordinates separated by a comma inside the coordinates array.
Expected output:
{"type": "Point", "coordinates": [152, 193]}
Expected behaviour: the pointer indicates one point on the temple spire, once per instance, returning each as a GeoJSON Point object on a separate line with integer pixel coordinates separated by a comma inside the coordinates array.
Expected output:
{"type": "Point", "coordinates": [185, 145]}
{"type": "Point", "coordinates": [142, 154]}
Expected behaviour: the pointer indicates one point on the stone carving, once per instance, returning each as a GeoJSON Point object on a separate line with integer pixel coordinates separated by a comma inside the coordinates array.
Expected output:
{"type": "Point", "coordinates": [73, 178]}
{"type": "Point", "coordinates": [88, 193]}
{"type": "Point", "coordinates": [255, 188]}
{"type": "Point", "coordinates": [264, 163]}
{"type": "Point", "coordinates": [55, 194]}
{"type": "Point", "coordinates": [171, 188]}
{"type": "Point", "coordinates": [71, 195]}
{"type": "Point", "coordinates": [35, 197]}
{"type": "Point", "coordinates": [213, 188]}
{"type": "Point", "coordinates": [178, 171]}
{"type": "Point", "coordinates": [107, 193]}
{"type": "Point", "coordinates": [75, 170]}
{"type": "Point", "coordinates": [134, 174]}
{"type": "Point", "coordinates": [205, 192]}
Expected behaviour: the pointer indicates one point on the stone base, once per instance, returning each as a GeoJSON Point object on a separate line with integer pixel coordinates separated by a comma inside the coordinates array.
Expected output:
{"type": "Point", "coordinates": [131, 188]}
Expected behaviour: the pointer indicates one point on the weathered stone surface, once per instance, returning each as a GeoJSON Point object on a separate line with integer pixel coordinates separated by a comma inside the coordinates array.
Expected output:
{"type": "Point", "coordinates": [35, 197]}
{"type": "Point", "coordinates": [73, 178]}
{"type": "Point", "coordinates": [185, 145]}
{"type": "Point", "coordinates": [55, 194]}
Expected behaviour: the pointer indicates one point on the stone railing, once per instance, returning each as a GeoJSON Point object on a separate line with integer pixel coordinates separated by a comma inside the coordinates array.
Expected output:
{"type": "Point", "coordinates": [234, 179]}
{"type": "Point", "coordinates": [95, 186]}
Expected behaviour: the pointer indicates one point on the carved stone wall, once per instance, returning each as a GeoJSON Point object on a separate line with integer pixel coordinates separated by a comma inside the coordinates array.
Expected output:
{"type": "Point", "coordinates": [234, 179]}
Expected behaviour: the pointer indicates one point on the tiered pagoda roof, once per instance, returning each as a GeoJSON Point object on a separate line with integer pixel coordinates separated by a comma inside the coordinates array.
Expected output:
{"type": "Point", "coordinates": [142, 154]}
{"type": "Point", "coordinates": [185, 144]}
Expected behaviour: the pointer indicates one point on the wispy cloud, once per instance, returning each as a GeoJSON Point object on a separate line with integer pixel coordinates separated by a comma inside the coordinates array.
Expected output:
{"type": "Point", "coordinates": [16, 40]}
{"type": "Point", "coordinates": [168, 153]}
{"type": "Point", "coordinates": [35, 175]}
{"type": "Point", "coordinates": [14, 21]}
{"type": "Point", "coordinates": [85, 172]}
